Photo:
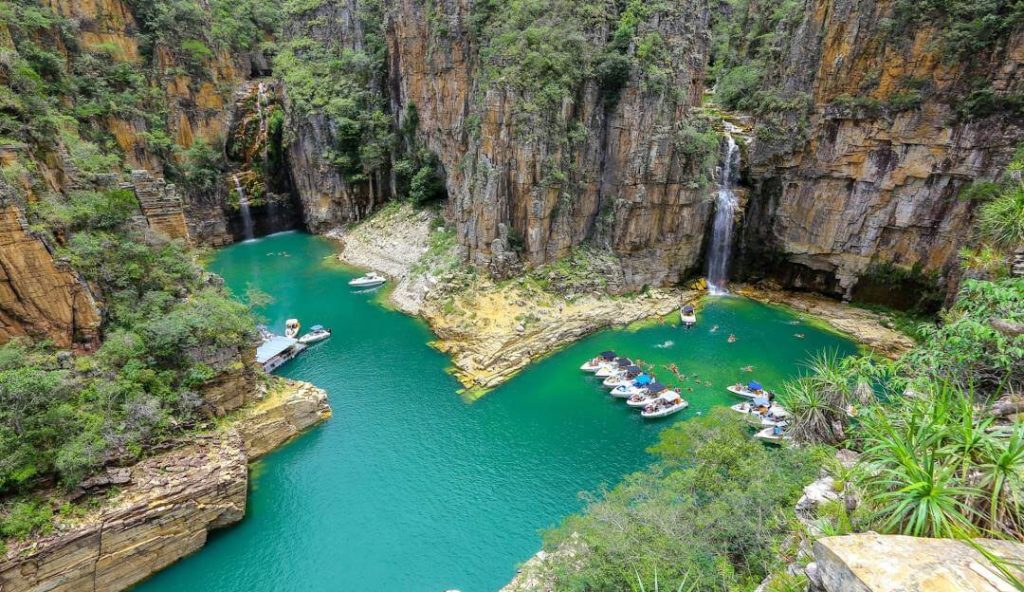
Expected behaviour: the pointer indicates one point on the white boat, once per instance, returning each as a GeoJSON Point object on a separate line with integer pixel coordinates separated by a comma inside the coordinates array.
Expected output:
{"type": "Point", "coordinates": [666, 404]}
{"type": "Point", "coordinates": [276, 351]}
{"type": "Point", "coordinates": [625, 391]}
{"type": "Point", "coordinates": [772, 435]}
{"type": "Point", "coordinates": [291, 328]}
{"type": "Point", "coordinates": [622, 378]}
{"type": "Point", "coordinates": [750, 390]}
{"type": "Point", "coordinates": [370, 280]}
{"type": "Point", "coordinates": [638, 385]}
{"type": "Point", "coordinates": [619, 365]}
{"type": "Point", "coordinates": [316, 333]}
{"type": "Point", "coordinates": [603, 360]}
{"type": "Point", "coordinates": [646, 396]}
{"type": "Point", "coordinates": [772, 415]}
{"type": "Point", "coordinates": [688, 315]}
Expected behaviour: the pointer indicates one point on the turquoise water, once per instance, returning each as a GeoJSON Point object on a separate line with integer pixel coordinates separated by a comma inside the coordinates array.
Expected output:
{"type": "Point", "coordinates": [410, 488]}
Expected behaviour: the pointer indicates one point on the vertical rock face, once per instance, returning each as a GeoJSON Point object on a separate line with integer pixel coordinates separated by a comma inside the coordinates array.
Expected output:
{"type": "Point", "coordinates": [327, 198]}
{"type": "Point", "coordinates": [40, 297]}
{"type": "Point", "coordinates": [623, 180]}
{"type": "Point", "coordinates": [874, 181]}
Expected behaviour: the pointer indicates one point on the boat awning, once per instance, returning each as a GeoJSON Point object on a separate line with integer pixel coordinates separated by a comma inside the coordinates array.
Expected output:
{"type": "Point", "coordinates": [272, 347]}
{"type": "Point", "coordinates": [642, 380]}
{"type": "Point", "coordinates": [317, 328]}
{"type": "Point", "coordinates": [625, 362]}
{"type": "Point", "coordinates": [656, 387]}
{"type": "Point", "coordinates": [688, 309]}
{"type": "Point", "coordinates": [608, 355]}
{"type": "Point", "coordinates": [754, 385]}
{"type": "Point", "coordinates": [634, 370]}
{"type": "Point", "coordinates": [761, 401]}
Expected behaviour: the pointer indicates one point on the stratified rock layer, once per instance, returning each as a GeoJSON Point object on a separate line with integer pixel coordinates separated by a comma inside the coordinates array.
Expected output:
{"type": "Point", "coordinates": [625, 183]}
{"type": "Point", "coordinates": [873, 176]}
{"type": "Point", "coordinates": [166, 505]}
{"type": "Point", "coordinates": [173, 501]}
{"type": "Point", "coordinates": [40, 297]}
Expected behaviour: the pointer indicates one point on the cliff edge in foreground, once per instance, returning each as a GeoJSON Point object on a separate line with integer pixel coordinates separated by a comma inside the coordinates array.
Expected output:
{"type": "Point", "coordinates": [166, 504]}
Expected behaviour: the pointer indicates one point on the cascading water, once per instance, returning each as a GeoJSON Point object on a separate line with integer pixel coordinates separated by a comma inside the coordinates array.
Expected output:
{"type": "Point", "coordinates": [725, 210]}
{"type": "Point", "coordinates": [243, 209]}
{"type": "Point", "coordinates": [261, 100]}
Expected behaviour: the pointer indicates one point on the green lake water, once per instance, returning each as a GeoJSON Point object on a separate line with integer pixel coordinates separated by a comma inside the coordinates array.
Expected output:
{"type": "Point", "coordinates": [410, 488]}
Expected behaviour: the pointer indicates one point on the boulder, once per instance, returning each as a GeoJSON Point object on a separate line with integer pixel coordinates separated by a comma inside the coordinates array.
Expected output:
{"type": "Point", "coordinates": [876, 563]}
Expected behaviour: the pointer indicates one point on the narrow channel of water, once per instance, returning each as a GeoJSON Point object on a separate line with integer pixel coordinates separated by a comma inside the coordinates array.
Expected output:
{"type": "Point", "coordinates": [408, 488]}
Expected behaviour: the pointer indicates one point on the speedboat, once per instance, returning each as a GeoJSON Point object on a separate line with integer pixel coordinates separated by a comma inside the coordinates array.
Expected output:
{"type": "Point", "coordinates": [604, 359]}
{"type": "Point", "coordinates": [316, 333]}
{"type": "Point", "coordinates": [646, 396]}
{"type": "Point", "coordinates": [750, 390]}
{"type": "Point", "coordinates": [618, 365]}
{"type": "Point", "coordinates": [666, 404]}
{"type": "Point", "coordinates": [639, 385]}
{"type": "Point", "coordinates": [688, 316]}
{"type": "Point", "coordinates": [370, 280]}
{"type": "Point", "coordinates": [291, 328]}
{"type": "Point", "coordinates": [763, 415]}
{"type": "Point", "coordinates": [772, 435]}
{"type": "Point", "coordinates": [623, 378]}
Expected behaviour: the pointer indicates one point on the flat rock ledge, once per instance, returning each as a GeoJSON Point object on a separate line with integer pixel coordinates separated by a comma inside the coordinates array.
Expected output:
{"type": "Point", "coordinates": [876, 563]}
{"type": "Point", "coordinates": [166, 505]}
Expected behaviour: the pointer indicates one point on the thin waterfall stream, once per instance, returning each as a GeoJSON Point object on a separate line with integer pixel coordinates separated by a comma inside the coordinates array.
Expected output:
{"type": "Point", "coordinates": [725, 210]}
{"type": "Point", "coordinates": [243, 209]}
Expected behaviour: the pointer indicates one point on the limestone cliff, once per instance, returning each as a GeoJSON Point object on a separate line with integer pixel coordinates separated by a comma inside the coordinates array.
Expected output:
{"type": "Point", "coordinates": [165, 505]}
{"type": "Point", "coordinates": [41, 297]}
{"type": "Point", "coordinates": [859, 192]}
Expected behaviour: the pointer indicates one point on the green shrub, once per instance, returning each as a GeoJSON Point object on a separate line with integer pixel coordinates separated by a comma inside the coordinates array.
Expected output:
{"type": "Point", "coordinates": [25, 518]}
{"type": "Point", "coordinates": [737, 84]}
{"type": "Point", "coordinates": [710, 514]}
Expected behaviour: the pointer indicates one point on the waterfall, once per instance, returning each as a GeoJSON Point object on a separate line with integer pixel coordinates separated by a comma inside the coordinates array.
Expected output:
{"type": "Point", "coordinates": [725, 209]}
{"type": "Point", "coordinates": [261, 99]}
{"type": "Point", "coordinates": [243, 208]}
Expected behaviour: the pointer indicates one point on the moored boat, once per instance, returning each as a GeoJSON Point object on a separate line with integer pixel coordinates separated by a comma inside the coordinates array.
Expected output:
{"type": "Point", "coordinates": [370, 280]}
{"type": "Point", "coordinates": [604, 359]}
{"type": "Point", "coordinates": [614, 368]}
{"type": "Point", "coordinates": [316, 333]}
{"type": "Point", "coordinates": [623, 377]}
{"type": "Point", "coordinates": [750, 390]}
{"type": "Point", "coordinates": [772, 435]}
{"type": "Point", "coordinates": [688, 315]}
{"type": "Point", "coordinates": [277, 350]}
{"type": "Point", "coordinates": [666, 404]}
{"type": "Point", "coordinates": [647, 396]}
{"type": "Point", "coordinates": [639, 385]}
{"type": "Point", "coordinates": [291, 328]}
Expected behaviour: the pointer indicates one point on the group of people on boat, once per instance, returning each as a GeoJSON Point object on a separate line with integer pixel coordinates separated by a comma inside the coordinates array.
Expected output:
{"type": "Point", "coordinates": [640, 389]}
{"type": "Point", "coordinates": [762, 411]}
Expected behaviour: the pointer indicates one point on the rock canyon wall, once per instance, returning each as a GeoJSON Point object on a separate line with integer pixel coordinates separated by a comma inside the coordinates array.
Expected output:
{"type": "Point", "coordinates": [859, 192]}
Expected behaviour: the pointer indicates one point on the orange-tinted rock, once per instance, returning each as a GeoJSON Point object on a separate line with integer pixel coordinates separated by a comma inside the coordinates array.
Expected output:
{"type": "Point", "coordinates": [40, 297]}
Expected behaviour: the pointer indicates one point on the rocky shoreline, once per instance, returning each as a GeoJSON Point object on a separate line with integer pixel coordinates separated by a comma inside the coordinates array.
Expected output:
{"type": "Point", "coordinates": [162, 508]}
{"type": "Point", "coordinates": [491, 330]}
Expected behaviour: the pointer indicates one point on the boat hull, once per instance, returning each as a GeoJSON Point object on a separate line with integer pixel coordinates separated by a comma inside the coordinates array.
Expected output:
{"type": "Point", "coordinates": [664, 412]}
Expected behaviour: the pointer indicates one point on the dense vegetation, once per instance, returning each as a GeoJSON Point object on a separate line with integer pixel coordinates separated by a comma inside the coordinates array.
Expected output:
{"type": "Point", "coordinates": [64, 413]}
{"type": "Point", "coordinates": [711, 514]}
